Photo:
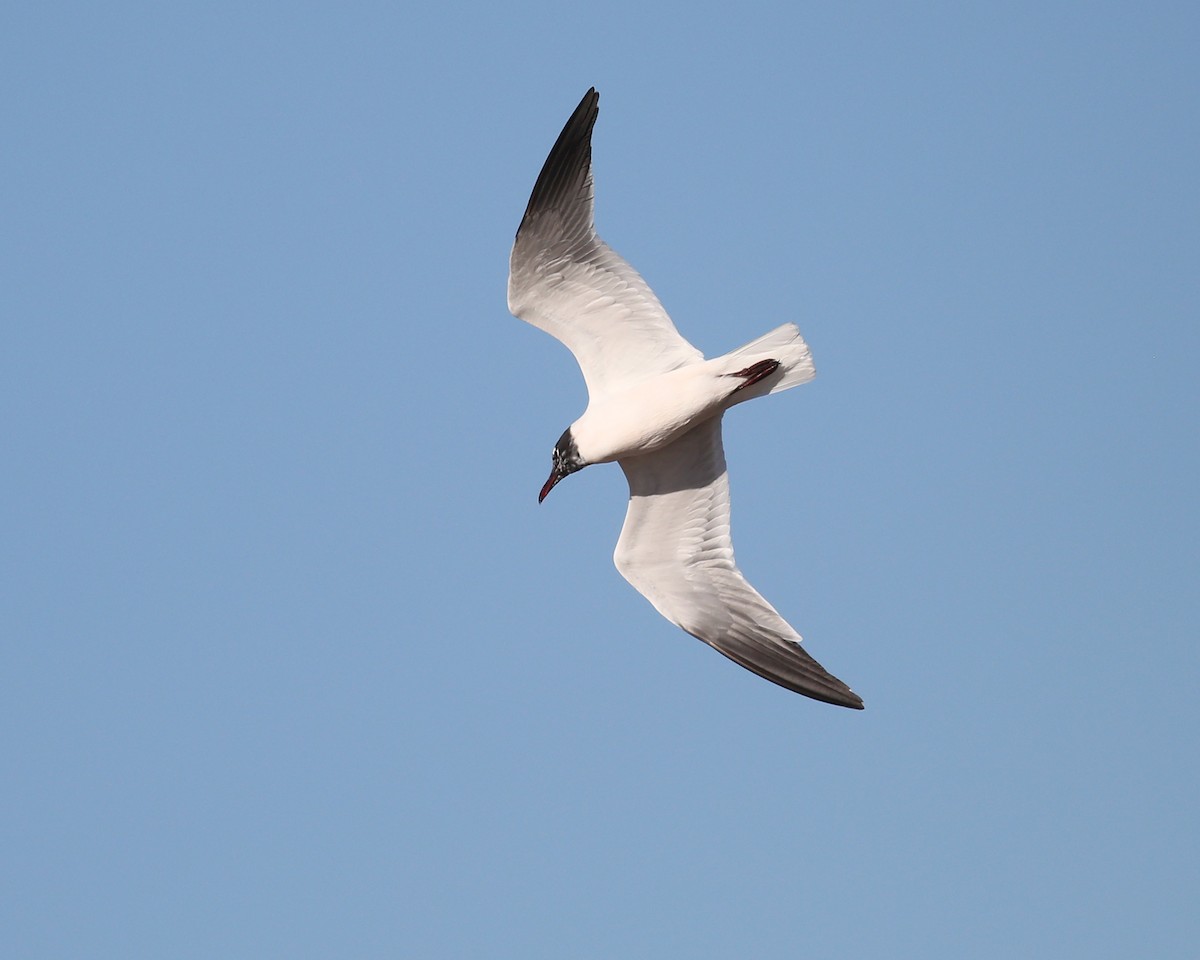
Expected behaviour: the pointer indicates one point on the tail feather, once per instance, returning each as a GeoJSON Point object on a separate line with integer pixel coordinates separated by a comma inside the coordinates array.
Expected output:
{"type": "Point", "coordinates": [783, 344]}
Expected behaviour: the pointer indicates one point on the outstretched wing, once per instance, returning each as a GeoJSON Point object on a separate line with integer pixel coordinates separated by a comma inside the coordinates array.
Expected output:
{"type": "Point", "coordinates": [567, 281]}
{"type": "Point", "coordinates": [676, 550]}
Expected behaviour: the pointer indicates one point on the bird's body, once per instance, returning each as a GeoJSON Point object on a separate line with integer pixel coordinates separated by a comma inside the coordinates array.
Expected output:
{"type": "Point", "coordinates": [647, 415]}
{"type": "Point", "coordinates": [655, 406]}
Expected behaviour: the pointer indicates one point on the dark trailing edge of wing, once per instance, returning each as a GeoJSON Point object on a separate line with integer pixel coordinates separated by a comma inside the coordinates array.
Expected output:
{"type": "Point", "coordinates": [566, 169]}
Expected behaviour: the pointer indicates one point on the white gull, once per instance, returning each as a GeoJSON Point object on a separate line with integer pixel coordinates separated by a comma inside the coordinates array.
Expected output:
{"type": "Point", "coordinates": [655, 406]}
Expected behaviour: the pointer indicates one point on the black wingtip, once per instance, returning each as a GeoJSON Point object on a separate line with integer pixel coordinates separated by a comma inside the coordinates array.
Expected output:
{"type": "Point", "coordinates": [788, 665]}
{"type": "Point", "coordinates": [844, 697]}
{"type": "Point", "coordinates": [838, 696]}
{"type": "Point", "coordinates": [566, 168]}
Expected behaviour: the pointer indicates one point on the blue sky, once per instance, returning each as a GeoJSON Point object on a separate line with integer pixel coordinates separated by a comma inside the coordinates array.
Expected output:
{"type": "Point", "coordinates": [294, 665]}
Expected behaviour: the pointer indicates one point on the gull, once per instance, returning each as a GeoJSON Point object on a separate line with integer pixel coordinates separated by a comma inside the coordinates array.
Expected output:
{"type": "Point", "coordinates": [655, 406]}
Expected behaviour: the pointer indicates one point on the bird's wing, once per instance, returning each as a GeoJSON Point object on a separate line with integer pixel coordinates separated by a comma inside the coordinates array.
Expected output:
{"type": "Point", "coordinates": [676, 550]}
{"type": "Point", "coordinates": [567, 281]}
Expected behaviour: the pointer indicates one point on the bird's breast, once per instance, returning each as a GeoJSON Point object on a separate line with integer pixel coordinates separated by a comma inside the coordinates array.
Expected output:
{"type": "Point", "coordinates": [648, 415]}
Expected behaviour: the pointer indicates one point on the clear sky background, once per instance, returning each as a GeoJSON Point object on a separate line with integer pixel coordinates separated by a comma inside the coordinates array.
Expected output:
{"type": "Point", "coordinates": [292, 663]}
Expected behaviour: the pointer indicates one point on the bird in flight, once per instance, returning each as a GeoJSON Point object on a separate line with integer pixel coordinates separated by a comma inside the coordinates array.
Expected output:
{"type": "Point", "coordinates": [655, 407]}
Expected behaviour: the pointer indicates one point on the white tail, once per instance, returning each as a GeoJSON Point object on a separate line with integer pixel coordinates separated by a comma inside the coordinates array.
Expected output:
{"type": "Point", "coordinates": [783, 344]}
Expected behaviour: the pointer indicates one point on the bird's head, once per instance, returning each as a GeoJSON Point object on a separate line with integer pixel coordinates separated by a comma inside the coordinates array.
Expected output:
{"type": "Point", "coordinates": [564, 461]}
